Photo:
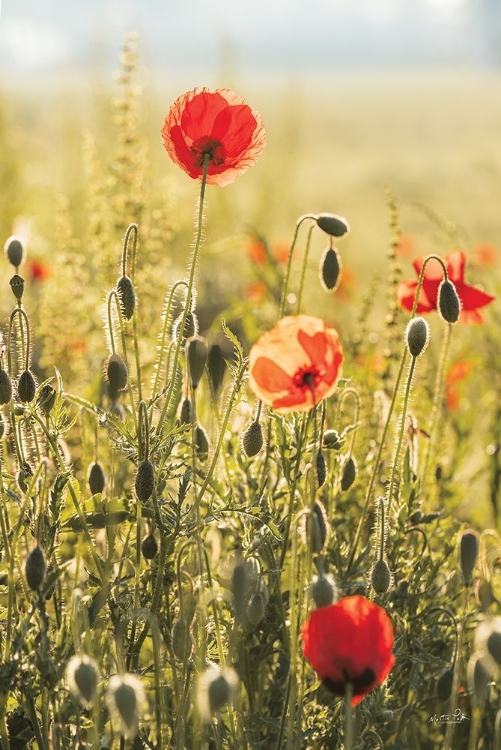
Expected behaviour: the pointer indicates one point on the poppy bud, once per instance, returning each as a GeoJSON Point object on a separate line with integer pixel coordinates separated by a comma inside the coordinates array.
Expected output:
{"type": "Point", "coordinates": [182, 642]}
{"type": "Point", "coordinates": [186, 413]}
{"type": "Point", "coordinates": [190, 327]}
{"type": "Point", "coordinates": [449, 304]}
{"type": "Point", "coordinates": [256, 608]}
{"type": "Point", "coordinates": [321, 469]}
{"type": "Point", "coordinates": [17, 286]}
{"type": "Point", "coordinates": [416, 517]}
{"type": "Point", "coordinates": [216, 365]}
{"type": "Point", "coordinates": [215, 689]}
{"type": "Point", "coordinates": [82, 676]}
{"type": "Point", "coordinates": [484, 595]}
{"type": "Point", "coordinates": [26, 386]}
{"type": "Point", "coordinates": [5, 387]}
{"type": "Point", "coordinates": [201, 443]}
{"type": "Point", "coordinates": [46, 399]}
{"type": "Point", "coordinates": [96, 478]}
{"type": "Point", "coordinates": [116, 375]}
{"type": "Point", "coordinates": [335, 226]}
{"type": "Point", "coordinates": [25, 471]}
{"type": "Point", "coordinates": [144, 483]}
{"type": "Point", "coordinates": [14, 250]}
{"type": "Point", "coordinates": [197, 357]}
{"type": "Point", "coordinates": [126, 702]}
{"type": "Point", "coordinates": [35, 568]}
{"type": "Point", "coordinates": [381, 577]}
{"type": "Point", "coordinates": [323, 591]}
{"type": "Point", "coordinates": [319, 528]}
{"type": "Point", "coordinates": [330, 269]}
{"type": "Point", "coordinates": [468, 553]}
{"type": "Point", "coordinates": [478, 677]}
{"type": "Point", "coordinates": [253, 439]}
{"type": "Point", "coordinates": [444, 685]}
{"type": "Point", "coordinates": [417, 335]}
{"type": "Point", "coordinates": [332, 439]}
{"type": "Point", "coordinates": [149, 547]}
{"type": "Point", "coordinates": [494, 646]}
{"type": "Point", "coordinates": [349, 473]}
{"type": "Point", "coordinates": [126, 297]}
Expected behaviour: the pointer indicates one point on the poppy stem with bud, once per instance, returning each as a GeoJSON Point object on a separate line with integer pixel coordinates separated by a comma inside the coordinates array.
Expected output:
{"type": "Point", "coordinates": [285, 287]}
{"type": "Point", "coordinates": [303, 268]}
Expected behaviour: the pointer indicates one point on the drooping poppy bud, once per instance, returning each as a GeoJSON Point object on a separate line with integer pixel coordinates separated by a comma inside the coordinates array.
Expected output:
{"type": "Point", "coordinates": [333, 225]}
{"type": "Point", "coordinates": [449, 304]}
{"type": "Point", "coordinates": [126, 297]}
{"type": "Point", "coordinates": [330, 269]}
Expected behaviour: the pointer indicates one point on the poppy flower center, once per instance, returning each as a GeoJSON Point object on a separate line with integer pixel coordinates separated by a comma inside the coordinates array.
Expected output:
{"type": "Point", "coordinates": [360, 683]}
{"type": "Point", "coordinates": [207, 146]}
{"type": "Point", "coordinates": [307, 377]}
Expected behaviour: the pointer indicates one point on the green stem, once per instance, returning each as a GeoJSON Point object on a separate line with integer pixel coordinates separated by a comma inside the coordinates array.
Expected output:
{"type": "Point", "coordinates": [303, 268]}
{"type": "Point", "coordinates": [283, 301]}
{"type": "Point", "coordinates": [165, 323]}
{"type": "Point", "coordinates": [349, 723]}
{"type": "Point", "coordinates": [398, 448]}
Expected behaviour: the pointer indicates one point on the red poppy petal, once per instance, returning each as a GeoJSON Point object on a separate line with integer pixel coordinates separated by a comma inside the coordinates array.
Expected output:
{"type": "Point", "coordinates": [315, 346]}
{"type": "Point", "coordinates": [455, 263]}
{"type": "Point", "coordinates": [199, 111]}
{"type": "Point", "coordinates": [407, 291]}
{"type": "Point", "coordinates": [234, 127]}
{"type": "Point", "coordinates": [471, 297]}
{"type": "Point", "coordinates": [470, 317]}
{"type": "Point", "coordinates": [178, 150]}
{"type": "Point", "coordinates": [269, 376]}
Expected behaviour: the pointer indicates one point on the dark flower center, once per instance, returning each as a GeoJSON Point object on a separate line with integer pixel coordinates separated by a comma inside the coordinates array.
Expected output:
{"type": "Point", "coordinates": [360, 683]}
{"type": "Point", "coordinates": [307, 377]}
{"type": "Point", "coordinates": [208, 147]}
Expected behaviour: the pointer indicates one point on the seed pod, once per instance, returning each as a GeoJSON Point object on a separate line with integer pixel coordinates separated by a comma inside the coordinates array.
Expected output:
{"type": "Point", "coordinates": [82, 676]}
{"type": "Point", "coordinates": [46, 399]}
{"type": "Point", "coordinates": [468, 553]}
{"type": "Point", "coordinates": [321, 469]}
{"type": "Point", "coordinates": [215, 689]}
{"type": "Point", "coordinates": [126, 297]}
{"type": "Point", "coordinates": [323, 591]}
{"type": "Point", "coordinates": [449, 304]}
{"type": "Point", "coordinates": [381, 577]}
{"type": "Point", "coordinates": [332, 439]}
{"type": "Point", "coordinates": [145, 481]}
{"type": "Point", "coordinates": [256, 608]}
{"type": "Point", "coordinates": [14, 250]}
{"type": "Point", "coordinates": [17, 286]}
{"type": "Point", "coordinates": [5, 387]}
{"type": "Point", "coordinates": [182, 642]}
{"type": "Point", "coordinates": [253, 439]}
{"type": "Point", "coordinates": [26, 386]}
{"type": "Point", "coordinates": [197, 357]}
{"type": "Point", "coordinates": [417, 335]}
{"type": "Point", "coordinates": [349, 473]}
{"type": "Point", "coordinates": [318, 529]}
{"type": "Point", "coordinates": [149, 547]}
{"type": "Point", "coordinates": [335, 226]}
{"type": "Point", "coordinates": [35, 568]}
{"type": "Point", "coordinates": [126, 703]}
{"type": "Point", "coordinates": [444, 685]}
{"type": "Point", "coordinates": [190, 327]}
{"type": "Point", "coordinates": [96, 478]}
{"type": "Point", "coordinates": [116, 375]}
{"type": "Point", "coordinates": [478, 677]}
{"type": "Point", "coordinates": [201, 443]}
{"type": "Point", "coordinates": [330, 269]}
{"type": "Point", "coordinates": [186, 415]}
{"type": "Point", "coordinates": [216, 365]}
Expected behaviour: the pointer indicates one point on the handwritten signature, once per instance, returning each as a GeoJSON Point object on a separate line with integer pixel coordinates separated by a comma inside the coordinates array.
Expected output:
{"type": "Point", "coordinates": [457, 717]}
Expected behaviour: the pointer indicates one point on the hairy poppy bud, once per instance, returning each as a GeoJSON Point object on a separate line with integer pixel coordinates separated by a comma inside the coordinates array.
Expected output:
{"type": "Point", "coordinates": [216, 365]}
{"type": "Point", "coordinates": [349, 473]}
{"type": "Point", "coordinates": [149, 547]}
{"type": "Point", "coordinates": [494, 646]}
{"type": "Point", "coordinates": [96, 478]}
{"type": "Point", "coordinates": [35, 568]}
{"type": "Point", "coordinates": [215, 689]}
{"type": "Point", "coordinates": [126, 297]}
{"type": "Point", "coordinates": [26, 386]}
{"type": "Point", "coordinates": [182, 642]}
{"type": "Point", "coordinates": [478, 677]}
{"type": "Point", "coordinates": [253, 439]}
{"type": "Point", "coordinates": [318, 528]}
{"type": "Point", "coordinates": [256, 608]}
{"type": "Point", "coordinates": [323, 591]}
{"type": "Point", "coordinates": [484, 595]}
{"type": "Point", "coordinates": [449, 304]}
{"type": "Point", "coordinates": [116, 375]}
{"type": "Point", "coordinates": [335, 226]}
{"type": "Point", "coordinates": [417, 335]}
{"type": "Point", "coordinates": [197, 357]}
{"type": "Point", "coordinates": [14, 250]}
{"type": "Point", "coordinates": [186, 415]}
{"type": "Point", "coordinates": [444, 685]}
{"type": "Point", "coordinates": [126, 703]}
{"type": "Point", "coordinates": [17, 286]}
{"type": "Point", "coordinates": [330, 269]}
{"type": "Point", "coordinates": [381, 577]}
{"type": "Point", "coordinates": [82, 676]}
{"type": "Point", "coordinates": [5, 387]}
{"type": "Point", "coordinates": [468, 553]}
{"type": "Point", "coordinates": [46, 398]}
{"type": "Point", "coordinates": [332, 439]}
{"type": "Point", "coordinates": [190, 327]}
{"type": "Point", "coordinates": [145, 481]}
{"type": "Point", "coordinates": [201, 443]}
{"type": "Point", "coordinates": [321, 469]}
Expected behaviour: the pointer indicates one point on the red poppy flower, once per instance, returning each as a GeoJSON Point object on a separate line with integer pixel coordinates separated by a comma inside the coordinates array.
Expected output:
{"type": "Point", "coordinates": [38, 269]}
{"type": "Point", "coordinates": [471, 298]}
{"type": "Point", "coordinates": [485, 254]}
{"type": "Point", "coordinates": [218, 124]}
{"type": "Point", "coordinates": [406, 246]}
{"type": "Point", "coordinates": [296, 364]}
{"type": "Point", "coordinates": [457, 372]}
{"type": "Point", "coordinates": [350, 642]}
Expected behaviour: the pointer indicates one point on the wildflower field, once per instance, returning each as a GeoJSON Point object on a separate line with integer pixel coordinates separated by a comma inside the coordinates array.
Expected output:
{"type": "Point", "coordinates": [250, 428]}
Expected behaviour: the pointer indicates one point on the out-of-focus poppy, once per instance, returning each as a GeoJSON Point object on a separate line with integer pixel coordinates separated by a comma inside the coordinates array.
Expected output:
{"type": "Point", "coordinates": [217, 124]}
{"type": "Point", "coordinates": [37, 269]}
{"type": "Point", "coordinates": [485, 254]}
{"type": "Point", "coordinates": [296, 364]}
{"type": "Point", "coordinates": [457, 372]}
{"type": "Point", "coordinates": [350, 642]}
{"type": "Point", "coordinates": [472, 299]}
{"type": "Point", "coordinates": [256, 291]}
{"type": "Point", "coordinates": [406, 246]}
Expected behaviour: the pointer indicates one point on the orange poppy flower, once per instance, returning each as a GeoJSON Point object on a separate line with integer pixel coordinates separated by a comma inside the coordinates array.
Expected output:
{"type": "Point", "coordinates": [457, 372]}
{"type": "Point", "coordinates": [218, 124]}
{"type": "Point", "coordinates": [38, 269]}
{"type": "Point", "coordinates": [485, 254]}
{"type": "Point", "coordinates": [406, 246]}
{"type": "Point", "coordinates": [256, 291]}
{"type": "Point", "coordinates": [296, 364]}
